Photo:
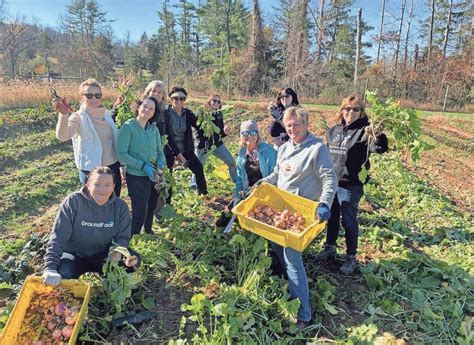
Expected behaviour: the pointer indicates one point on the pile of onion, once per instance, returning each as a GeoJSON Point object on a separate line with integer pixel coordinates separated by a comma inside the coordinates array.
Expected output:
{"type": "Point", "coordinates": [284, 220]}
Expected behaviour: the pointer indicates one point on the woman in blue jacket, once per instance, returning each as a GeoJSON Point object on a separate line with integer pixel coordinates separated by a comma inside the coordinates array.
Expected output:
{"type": "Point", "coordinates": [256, 159]}
{"type": "Point", "coordinates": [140, 149]}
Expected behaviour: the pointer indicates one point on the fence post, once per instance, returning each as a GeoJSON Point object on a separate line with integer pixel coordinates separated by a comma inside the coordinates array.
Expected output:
{"type": "Point", "coordinates": [445, 98]}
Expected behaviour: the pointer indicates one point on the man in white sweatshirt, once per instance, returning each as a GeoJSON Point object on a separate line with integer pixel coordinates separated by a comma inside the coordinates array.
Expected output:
{"type": "Point", "coordinates": [303, 168]}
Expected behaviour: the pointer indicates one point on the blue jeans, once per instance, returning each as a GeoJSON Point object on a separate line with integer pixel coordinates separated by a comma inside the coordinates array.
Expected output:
{"type": "Point", "coordinates": [73, 269]}
{"type": "Point", "coordinates": [221, 152]}
{"type": "Point", "coordinates": [348, 208]}
{"type": "Point", "coordinates": [292, 262]}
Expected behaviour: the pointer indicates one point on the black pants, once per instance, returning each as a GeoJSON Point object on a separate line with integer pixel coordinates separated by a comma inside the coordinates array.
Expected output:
{"type": "Point", "coordinates": [117, 179]}
{"type": "Point", "coordinates": [144, 199]}
{"type": "Point", "coordinates": [193, 163]}
{"type": "Point", "coordinates": [73, 269]}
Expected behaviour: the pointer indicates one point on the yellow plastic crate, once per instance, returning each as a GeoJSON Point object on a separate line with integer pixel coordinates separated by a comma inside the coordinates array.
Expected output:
{"type": "Point", "coordinates": [32, 285]}
{"type": "Point", "coordinates": [267, 194]}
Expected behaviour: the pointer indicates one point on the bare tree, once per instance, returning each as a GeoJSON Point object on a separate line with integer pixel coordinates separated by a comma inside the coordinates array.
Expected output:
{"type": "Point", "coordinates": [358, 44]}
{"type": "Point", "coordinates": [379, 38]}
{"type": "Point", "coordinates": [446, 30]}
{"type": "Point", "coordinates": [430, 41]}
{"type": "Point", "coordinates": [407, 36]}
{"type": "Point", "coordinates": [298, 46]}
{"type": "Point", "coordinates": [15, 37]}
{"type": "Point", "coordinates": [399, 36]}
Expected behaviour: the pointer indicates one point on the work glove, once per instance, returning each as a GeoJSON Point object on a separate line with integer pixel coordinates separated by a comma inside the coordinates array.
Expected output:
{"type": "Point", "coordinates": [323, 213]}
{"type": "Point", "coordinates": [150, 172]}
{"type": "Point", "coordinates": [114, 255]}
{"type": "Point", "coordinates": [51, 277]}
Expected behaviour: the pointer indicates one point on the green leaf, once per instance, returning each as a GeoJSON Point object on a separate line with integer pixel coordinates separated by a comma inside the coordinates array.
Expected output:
{"type": "Point", "coordinates": [148, 302]}
{"type": "Point", "coordinates": [168, 212]}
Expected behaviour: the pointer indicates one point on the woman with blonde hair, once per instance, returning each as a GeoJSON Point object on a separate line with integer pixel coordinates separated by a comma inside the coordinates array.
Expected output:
{"type": "Point", "coordinates": [349, 146]}
{"type": "Point", "coordinates": [303, 168]}
{"type": "Point", "coordinates": [92, 130]}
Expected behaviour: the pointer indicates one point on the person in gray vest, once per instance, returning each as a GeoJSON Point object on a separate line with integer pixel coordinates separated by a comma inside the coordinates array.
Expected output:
{"type": "Point", "coordinates": [92, 130]}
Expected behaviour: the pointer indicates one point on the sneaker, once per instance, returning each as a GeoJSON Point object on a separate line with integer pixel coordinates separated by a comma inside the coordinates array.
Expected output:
{"type": "Point", "coordinates": [193, 187]}
{"type": "Point", "coordinates": [223, 220]}
{"type": "Point", "coordinates": [350, 265]}
{"type": "Point", "coordinates": [329, 253]}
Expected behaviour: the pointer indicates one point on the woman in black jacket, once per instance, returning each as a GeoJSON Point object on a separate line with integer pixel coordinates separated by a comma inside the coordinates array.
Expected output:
{"type": "Point", "coordinates": [286, 98]}
{"type": "Point", "coordinates": [180, 122]}
{"type": "Point", "coordinates": [350, 142]}
{"type": "Point", "coordinates": [213, 144]}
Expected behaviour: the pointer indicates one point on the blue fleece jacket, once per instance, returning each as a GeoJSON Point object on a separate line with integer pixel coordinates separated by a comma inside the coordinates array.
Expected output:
{"type": "Point", "coordinates": [267, 156]}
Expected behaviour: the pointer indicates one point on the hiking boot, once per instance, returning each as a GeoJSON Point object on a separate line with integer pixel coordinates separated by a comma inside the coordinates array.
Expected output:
{"type": "Point", "coordinates": [223, 220]}
{"type": "Point", "coordinates": [350, 265]}
{"type": "Point", "coordinates": [302, 324]}
{"type": "Point", "coordinates": [329, 253]}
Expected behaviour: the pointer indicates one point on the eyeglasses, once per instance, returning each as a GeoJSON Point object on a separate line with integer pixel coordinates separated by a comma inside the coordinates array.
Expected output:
{"type": "Point", "coordinates": [91, 95]}
{"type": "Point", "coordinates": [354, 109]}
{"type": "Point", "coordinates": [216, 101]}
{"type": "Point", "coordinates": [182, 99]}
{"type": "Point", "coordinates": [284, 96]}
{"type": "Point", "coordinates": [251, 133]}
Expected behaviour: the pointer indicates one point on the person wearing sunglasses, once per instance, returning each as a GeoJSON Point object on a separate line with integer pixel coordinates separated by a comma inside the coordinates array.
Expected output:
{"type": "Point", "coordinates": [214, 144]}
{"type": "Point", "coordinates": [140, 149]}
{"type": "Point", "coordinates": [92, 130]}
{"type": "Point", "coordinates": [303, 168]}
{"type": "Point", "coordinates": [286, 98]}
{"type": "Point", "coordinates": [349, 149]}
{"type": "Point", "coordinates": [256, 159]}
{"type": "Point", "coordinates": [181, 125]}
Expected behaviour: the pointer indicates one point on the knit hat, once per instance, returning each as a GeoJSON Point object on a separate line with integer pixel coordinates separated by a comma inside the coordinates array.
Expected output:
{"type": "Point", "coordinates": [249, 125]}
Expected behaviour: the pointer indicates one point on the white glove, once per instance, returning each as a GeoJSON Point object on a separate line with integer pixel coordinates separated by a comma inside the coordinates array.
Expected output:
{"type": "Point", "coordinates": [51, 277]}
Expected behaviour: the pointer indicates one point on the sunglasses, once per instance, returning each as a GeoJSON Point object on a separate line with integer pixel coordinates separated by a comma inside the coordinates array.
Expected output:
{"type": "Point", "coordinates": [216, 101]}
{"type": "Point", "coordinates": [182, 99]}
{"type": "Point", "coordinates": [247, 134]}
{"type": "Point", "coordinates": [92, 95]}
{"type": "Point", "coordinates": [354, 109]}
{"type": "Point", "coordinates": [284, 96]}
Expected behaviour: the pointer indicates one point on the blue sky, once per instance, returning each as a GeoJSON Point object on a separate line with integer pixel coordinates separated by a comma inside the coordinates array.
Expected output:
{"type": "Point", "coordinates": [138, 16]}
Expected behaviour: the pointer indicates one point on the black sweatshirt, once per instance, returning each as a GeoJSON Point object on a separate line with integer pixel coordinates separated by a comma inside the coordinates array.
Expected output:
{"type": "Point", "coordinates": [349, 152]}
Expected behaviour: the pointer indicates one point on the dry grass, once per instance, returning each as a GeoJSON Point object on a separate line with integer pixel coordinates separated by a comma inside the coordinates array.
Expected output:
{"type": "Point", "coordinates": [18, 93]}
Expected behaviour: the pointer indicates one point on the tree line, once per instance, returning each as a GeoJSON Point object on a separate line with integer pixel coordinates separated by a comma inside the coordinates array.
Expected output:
{"type": "Point", "coordinates": [320, 48]}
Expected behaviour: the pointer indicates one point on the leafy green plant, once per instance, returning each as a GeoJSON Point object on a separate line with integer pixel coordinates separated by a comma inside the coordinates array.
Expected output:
{"type": "Point", "coordinates": [124, 110]}
{"type": "Point", "coordinates": [117, 285]}
{"type": "Point", "coordinates": [403, 124]}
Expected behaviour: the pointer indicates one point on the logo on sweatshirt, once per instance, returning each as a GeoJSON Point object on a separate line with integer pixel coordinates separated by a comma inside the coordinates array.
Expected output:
{"type": "Point", "coordinates": [98, 225]}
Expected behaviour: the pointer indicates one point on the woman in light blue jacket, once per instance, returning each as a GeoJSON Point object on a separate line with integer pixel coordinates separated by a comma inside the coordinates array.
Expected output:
{"type": "Point", "coordinates": [256, 159]}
